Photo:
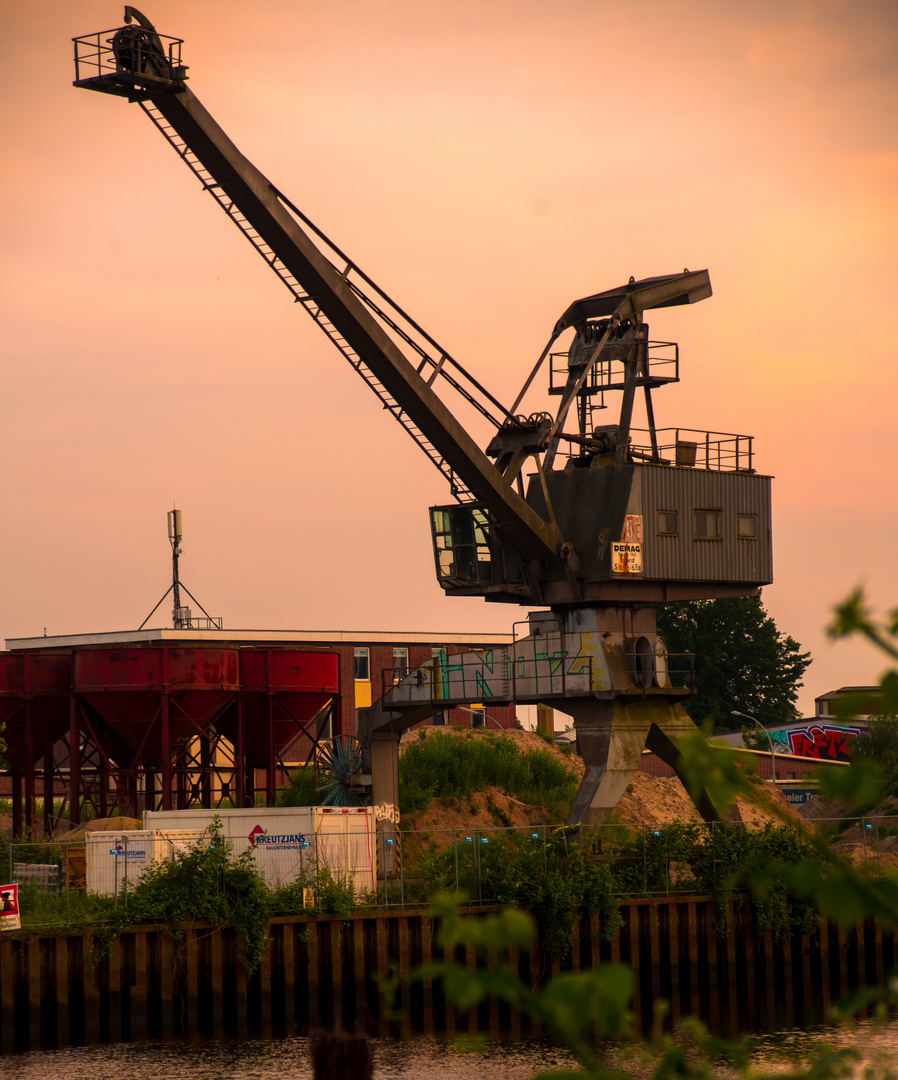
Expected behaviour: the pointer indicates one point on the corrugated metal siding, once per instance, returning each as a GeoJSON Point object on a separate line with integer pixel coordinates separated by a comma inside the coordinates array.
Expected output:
{"type": "Point", "coordinates": [684, 558]}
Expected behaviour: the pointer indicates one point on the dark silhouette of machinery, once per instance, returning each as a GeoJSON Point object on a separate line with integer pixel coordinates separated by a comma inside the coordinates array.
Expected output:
{"type": "Point", "coordinates": [593, 522]}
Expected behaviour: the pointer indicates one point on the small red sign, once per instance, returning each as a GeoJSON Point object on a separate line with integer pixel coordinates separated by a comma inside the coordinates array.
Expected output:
{"type": "Point", "coordinates": [9, 908]}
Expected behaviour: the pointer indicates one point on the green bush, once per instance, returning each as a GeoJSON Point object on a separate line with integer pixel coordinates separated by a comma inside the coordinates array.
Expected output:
{"type": "Point", "coordinates": [719, 860]}
{"type": "Point", "coordinates": [332, 896]}
{"type": "Point", "coordinates": [443, 766]}
{"type": "Point", "coordinates": [301, 790]}
{"type": "Point", "coordinates": [547, 875]}
{"type": "Point", "coordinates": [203, 884]}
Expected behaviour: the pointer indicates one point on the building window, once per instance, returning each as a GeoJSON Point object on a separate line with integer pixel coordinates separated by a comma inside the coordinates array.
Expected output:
{"type": "Point", "coordinates": [439, 719]}
{"type": "Point", "coordinates": [478, 715]}
{"type": "Point", "coordinates": [667, 523]}
{"type": "Point", "coordinates": [747, 526]}
{"type": "Point", "coordinates": [362, 665]}
{"type": "Point", "coordinates": [707, 524]}
{"type": "Point", "coordinates": [400, 664]}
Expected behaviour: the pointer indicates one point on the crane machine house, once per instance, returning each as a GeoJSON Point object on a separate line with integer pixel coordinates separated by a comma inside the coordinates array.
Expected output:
{"type": "Point", "coordinates": [288, 844]}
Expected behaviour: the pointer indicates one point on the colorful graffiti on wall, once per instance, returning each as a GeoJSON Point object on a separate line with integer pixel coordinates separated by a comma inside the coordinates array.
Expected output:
{"type": "Point", "coordinates": [826, 742]}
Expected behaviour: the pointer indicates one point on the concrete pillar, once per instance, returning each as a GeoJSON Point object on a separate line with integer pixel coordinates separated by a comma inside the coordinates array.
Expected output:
{"type": "Point", "coordinates": [545, 720]}
{"type": "Point", "coordinates": [385, 773]}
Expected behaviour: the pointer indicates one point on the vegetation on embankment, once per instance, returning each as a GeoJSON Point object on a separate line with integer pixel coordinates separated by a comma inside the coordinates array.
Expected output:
{"type": "Point", "coordinates": [461, 766]}
{"type": "Point", "coordinates": [550, 870]}
{"type": "Point", "coordinates": [545, 871]}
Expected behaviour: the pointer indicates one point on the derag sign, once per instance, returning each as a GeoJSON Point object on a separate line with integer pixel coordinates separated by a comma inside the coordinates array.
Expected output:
{"type": "Point", "coordinates": [258, 838]}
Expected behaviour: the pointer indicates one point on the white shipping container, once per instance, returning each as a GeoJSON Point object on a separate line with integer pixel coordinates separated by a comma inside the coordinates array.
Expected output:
{"type": "Point", "coordinates": [118, 859]}
{"type": "Point", "coordinates": [290, 842]}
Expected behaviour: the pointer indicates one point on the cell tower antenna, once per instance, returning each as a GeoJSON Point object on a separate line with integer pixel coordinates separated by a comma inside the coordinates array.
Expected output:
{"type": "Point", "coordinates": [182, 617]}
{"type": "Point", "coordinates": [175, 534]}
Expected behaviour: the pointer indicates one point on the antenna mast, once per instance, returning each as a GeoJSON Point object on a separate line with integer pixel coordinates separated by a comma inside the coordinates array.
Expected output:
{"type": "Point", "coordinates": [182, 617]}
{"type": "Point", "coordinates": [175, 534]}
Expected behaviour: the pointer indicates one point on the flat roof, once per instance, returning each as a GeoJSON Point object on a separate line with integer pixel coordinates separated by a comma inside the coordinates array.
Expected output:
{"type": "Point", "coordinates": [170, 636]}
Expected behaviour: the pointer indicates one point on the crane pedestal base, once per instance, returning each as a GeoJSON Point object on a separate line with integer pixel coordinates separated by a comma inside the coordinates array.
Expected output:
{"type": "Point", "coordinates": [612, 737]}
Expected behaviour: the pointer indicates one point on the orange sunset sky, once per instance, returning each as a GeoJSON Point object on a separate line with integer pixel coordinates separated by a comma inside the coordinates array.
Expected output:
{"type": "Point", "coordinates": [486, 163]}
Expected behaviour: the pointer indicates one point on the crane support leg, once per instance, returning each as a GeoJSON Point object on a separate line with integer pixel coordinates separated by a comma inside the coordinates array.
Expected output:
{"type": "Point", "coordinates": [379, 732]}
{"type": "Point", "coordinates": [612, 737]}
{"type": "Point", "coordinates": [384, 750]}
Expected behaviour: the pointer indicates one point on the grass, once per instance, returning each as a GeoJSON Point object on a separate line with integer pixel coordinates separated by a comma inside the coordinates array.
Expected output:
{"type": "Point", "coordinates": [65, 912]}
{"type": "Point", "coordinates": [446, 767]}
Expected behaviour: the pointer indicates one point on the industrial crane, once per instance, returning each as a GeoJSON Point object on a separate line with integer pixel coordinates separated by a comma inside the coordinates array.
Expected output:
{"type": "Point", "coordinates": [591, 522]}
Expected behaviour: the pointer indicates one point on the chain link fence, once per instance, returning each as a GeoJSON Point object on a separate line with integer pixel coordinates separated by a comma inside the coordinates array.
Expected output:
{"type": "Point", "coordinates": [504, 864]}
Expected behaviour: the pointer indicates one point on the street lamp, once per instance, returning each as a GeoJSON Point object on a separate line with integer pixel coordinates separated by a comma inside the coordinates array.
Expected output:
{"type": "Point", "coordinates": [754, 720]}
{"type": "Point", "coordinates": [483, 713]}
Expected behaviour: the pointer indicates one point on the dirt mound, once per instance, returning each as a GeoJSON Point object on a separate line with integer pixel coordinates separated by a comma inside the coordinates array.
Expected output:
{"type": "Point", "coordinates": [648, 800]}
{"type": "Point", "coordinates": [68, 836]}
{"type": "Point", "coordinates": [106, 824]}
{"type": "Point", "coordinates": [867, 857]}
{"type": "Point", "coordinates": [655, 800]}
{"type": "Point", "coordinates": [823, 811]}
{"type": "Point", "coordinates": [447, 822]}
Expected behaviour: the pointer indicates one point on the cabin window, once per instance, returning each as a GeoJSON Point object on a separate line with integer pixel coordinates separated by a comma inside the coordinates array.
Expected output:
{"type": "Point", "coordinates": [667, 523]}
{"type": "Point", "coordinates": [707, 524]}
{"type": "Point", "coordinates": [747, 526]}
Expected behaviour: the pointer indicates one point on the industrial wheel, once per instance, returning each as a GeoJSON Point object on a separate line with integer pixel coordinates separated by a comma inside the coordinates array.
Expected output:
{"type": "Point", "coordinates": [338, 772]}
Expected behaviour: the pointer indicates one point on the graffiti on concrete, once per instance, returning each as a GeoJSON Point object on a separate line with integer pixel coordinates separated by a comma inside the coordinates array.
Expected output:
{"type": "Point", "coordinates": [548, 665]}
{"type": "Point", "coordinates": [386, 812]}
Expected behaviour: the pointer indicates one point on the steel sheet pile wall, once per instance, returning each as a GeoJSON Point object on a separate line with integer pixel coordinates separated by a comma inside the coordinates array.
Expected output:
{"type": "Point", "coordinates": [317, 973]}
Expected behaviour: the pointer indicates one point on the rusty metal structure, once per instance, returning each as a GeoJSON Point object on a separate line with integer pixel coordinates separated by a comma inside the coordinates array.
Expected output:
{"type": "Point", "coordinates": [154, 722]}
{"type": "Point", "coordinates": [593, 522]}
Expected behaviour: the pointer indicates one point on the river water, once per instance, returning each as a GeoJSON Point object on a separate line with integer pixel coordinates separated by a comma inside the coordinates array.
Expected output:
{"type": "Point", "coordinates": [418, 1058]}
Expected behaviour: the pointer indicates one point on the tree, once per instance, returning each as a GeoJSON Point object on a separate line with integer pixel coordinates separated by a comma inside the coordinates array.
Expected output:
{"type": "Point", "coordinates": [742, 661]}
{"type": "Point", "coordinates": [880, 744]}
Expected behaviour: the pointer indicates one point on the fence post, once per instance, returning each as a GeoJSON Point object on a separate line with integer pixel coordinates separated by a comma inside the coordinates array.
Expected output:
{"type": "Point", "coordinates": [401, 868]}
{"type": "Point", "coordinates": [645, 866]}
{"type": "Point", "coordinates": [713, 856]}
